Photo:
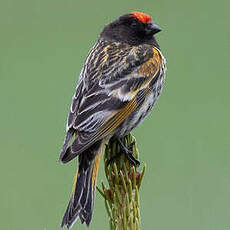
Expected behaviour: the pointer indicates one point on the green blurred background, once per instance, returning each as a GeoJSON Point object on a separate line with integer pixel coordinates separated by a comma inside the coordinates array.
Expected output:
{"type": "Point", "coordinates": [185, 141]}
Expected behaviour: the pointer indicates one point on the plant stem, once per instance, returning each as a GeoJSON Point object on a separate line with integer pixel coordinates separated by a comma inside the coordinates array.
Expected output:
{"type": "Point", "coordinates": [122, 195]}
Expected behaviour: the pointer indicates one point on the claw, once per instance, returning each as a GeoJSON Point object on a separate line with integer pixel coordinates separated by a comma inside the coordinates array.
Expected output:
{"type": "Point", "coordinates": [128, 153]}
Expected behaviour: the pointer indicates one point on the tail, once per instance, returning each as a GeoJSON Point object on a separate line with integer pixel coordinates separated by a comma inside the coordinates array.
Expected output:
{"type": "Point", "coordinates": [82, 200]}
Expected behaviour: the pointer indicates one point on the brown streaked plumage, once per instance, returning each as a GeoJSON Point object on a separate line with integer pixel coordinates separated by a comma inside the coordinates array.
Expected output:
{"type": "Point", "coordinates": [120, 82]}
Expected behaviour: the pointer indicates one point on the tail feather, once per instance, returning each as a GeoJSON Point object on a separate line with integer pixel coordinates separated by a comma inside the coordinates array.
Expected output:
{"type": "Point", "coordinates": [82, 199]}
{"type": "Point", "coordinates": [65, 147]}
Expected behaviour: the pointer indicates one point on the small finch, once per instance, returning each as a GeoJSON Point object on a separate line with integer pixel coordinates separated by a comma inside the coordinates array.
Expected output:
{"type": "Point", "coordinates": [120, 82]}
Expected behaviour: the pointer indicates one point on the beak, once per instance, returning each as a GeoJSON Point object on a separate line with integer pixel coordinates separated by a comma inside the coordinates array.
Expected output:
{"type": "Point", "coordinates": [152, 28]}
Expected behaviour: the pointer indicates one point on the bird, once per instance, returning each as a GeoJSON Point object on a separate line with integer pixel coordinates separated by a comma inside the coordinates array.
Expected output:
{"type": "Point", "coordinates": [120, 82]}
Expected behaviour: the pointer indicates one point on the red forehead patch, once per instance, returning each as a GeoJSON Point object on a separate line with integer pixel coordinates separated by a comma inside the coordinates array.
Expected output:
{"type": "Point", "coordinates": [145, 18]}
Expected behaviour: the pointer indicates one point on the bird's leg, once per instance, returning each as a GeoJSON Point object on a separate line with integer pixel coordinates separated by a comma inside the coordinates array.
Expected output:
{"type": "Point", "coordinates": [128, 153]}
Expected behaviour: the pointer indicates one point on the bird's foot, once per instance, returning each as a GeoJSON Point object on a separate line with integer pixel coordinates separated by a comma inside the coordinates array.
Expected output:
{"type": "Point", "coordinates": [128, 152]}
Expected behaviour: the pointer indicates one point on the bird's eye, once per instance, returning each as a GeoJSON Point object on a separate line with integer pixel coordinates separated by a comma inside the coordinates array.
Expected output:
{"type": "Point", "coordinates": [133, 24]}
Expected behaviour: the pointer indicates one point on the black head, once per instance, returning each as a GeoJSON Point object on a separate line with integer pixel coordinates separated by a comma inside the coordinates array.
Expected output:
{"type": "Point", "coordinates": [134, 28]}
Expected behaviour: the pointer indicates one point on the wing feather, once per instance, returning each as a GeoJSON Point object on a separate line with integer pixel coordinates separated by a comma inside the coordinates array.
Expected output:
{"type": "Point", "coordinates": [87, 139]}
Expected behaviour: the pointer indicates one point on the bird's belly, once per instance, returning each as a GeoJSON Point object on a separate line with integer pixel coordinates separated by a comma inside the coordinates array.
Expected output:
{"type": "Point", "coordinates": [137, 116]}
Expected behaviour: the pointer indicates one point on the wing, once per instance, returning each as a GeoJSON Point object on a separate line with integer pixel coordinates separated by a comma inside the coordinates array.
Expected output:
{"type": "Point", "coordinates": [113, 83]}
